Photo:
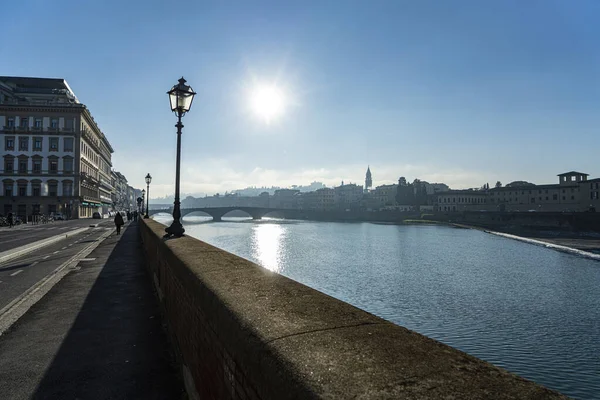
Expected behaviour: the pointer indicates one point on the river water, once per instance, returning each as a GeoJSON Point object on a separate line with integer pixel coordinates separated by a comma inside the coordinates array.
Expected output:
{"type": "Point", "coordinates": [531, 310]}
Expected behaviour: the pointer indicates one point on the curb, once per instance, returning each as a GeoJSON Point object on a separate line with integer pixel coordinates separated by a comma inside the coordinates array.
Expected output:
{"type": "Point", "coordinates": [19, 251]}
{"type": "Point", "coordinates": [21, 304]}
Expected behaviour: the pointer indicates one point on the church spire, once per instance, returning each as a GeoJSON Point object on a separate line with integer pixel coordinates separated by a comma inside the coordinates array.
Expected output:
{"type": "Point", "coordinates": [368, 179]}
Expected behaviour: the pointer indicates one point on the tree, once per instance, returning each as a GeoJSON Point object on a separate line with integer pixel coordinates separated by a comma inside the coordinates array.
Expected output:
{"type": "Point", "coordinates": [498, 184]}
{"type": "Point", "coordinates": [519, 184]}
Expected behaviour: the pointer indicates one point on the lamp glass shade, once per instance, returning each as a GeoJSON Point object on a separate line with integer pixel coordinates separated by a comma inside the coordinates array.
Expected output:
{"type": "Point", "coordinates": [181, 97]}
{"type": "Point", "coordinates": [148, 179]}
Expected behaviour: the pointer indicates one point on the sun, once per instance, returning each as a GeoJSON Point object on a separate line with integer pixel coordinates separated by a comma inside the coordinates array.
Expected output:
{"type": "Point", "coordinates": [268, 102]}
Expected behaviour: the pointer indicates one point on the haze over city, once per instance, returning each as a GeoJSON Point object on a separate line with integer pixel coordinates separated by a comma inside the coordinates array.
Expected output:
{"type": "Point", "coordinates": [464, 92]}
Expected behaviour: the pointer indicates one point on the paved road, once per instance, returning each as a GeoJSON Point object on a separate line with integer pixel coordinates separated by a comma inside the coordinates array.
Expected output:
{"type": "Point", "coordinates": [27, 233]}
{"type": "Point", "coordinates": [96, 335]}
{"type": "Point", "coordinates": [18, 275]}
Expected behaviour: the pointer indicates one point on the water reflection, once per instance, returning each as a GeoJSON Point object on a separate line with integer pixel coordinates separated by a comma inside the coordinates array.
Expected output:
{"type": "Point", "coordinates": [267, 245]}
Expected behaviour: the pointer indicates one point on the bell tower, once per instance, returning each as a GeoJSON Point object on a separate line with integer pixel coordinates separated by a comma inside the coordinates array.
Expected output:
{"type": "Point", "coordinates": [368, 180]}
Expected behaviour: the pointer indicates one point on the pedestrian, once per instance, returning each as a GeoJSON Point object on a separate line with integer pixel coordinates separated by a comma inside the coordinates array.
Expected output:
{"type": "Point", "coordinates": [119, 222]}
{"type": "Point", "coordinates": [135, 215]}
{"type": "Point", "coordinates": [10, 220]}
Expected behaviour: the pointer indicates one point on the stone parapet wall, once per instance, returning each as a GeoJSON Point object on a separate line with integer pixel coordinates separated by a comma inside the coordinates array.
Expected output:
{"type": "Point", "coordinates": [243, 332]}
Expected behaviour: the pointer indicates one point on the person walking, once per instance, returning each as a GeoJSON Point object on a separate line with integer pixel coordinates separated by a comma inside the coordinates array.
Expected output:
{"type": "Point", "coordinates": [119, 222]}
{"type": "Point", "coordinates": [10, 219]}
{"type": "Point", "coordinates": [135, 215]}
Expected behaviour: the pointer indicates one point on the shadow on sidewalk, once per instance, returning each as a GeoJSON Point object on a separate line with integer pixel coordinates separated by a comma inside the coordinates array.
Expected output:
{"type": "Point", "coordinates": [116, 347]}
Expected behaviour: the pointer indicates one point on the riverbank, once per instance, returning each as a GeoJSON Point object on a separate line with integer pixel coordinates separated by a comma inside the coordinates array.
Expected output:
{"type": "Point", "coordinates": [585, 244]}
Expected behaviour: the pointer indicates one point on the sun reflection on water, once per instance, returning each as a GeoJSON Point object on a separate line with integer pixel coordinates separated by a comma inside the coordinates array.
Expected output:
{"type": "Point", "coordinates": [267, 245]}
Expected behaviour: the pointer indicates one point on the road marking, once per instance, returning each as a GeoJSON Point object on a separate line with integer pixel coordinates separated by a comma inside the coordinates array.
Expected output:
{"type": "Point", "coordinates": [64, 248]}
{"type": "Point", "coordinates": [71, 245]}
{"type": "Point", "coordinates": [34, 263]}
{"type": "Point", "coordinates": [46, 257]}
{"type": "Point", "coordinates": [16, 273]}
{"type": "Point", "coordinates": [87, 259]}
{"type": "Point", "coordinates": [58, 251]}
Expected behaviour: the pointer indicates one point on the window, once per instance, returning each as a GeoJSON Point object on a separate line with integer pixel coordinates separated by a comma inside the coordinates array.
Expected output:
{"type": "Point", "coordinates": [38, 123]}
{"type": "Point", "coordinates": [53, 166]}
{"type": "Point", "coordinates": [54, 123]}
{"type": "Point", "coordinates": [67, 189]}
{"type": "Point", "coordinates": [67, 165]}
{"type": "Point", "coordinates": [572, 197]}
{"type": "Point", "coordinates": [10, 122]}
{"type": "Point", "coordinates": [540, 198]}
{"type": "Point", "coordinates": [23, 143]}
{"type": "Point", "coordinates": [52, 189]}
{"type": "Point", "coordinates": [546, 197]}
{"type": "Point", "coordinates": [9, 143]}
{"type": "Point", "coordinates": [563, 190]}
{"type": "Point", "coordinates": [53, 144]}
{"type": "Point", "coordinates": [24, 122]}
{"type": "Point", "coordinates": [8, 189]}
{"type": "Point", "coordinates": [546, 191]}
{"type": "Point", "coordinates": [554, 197]}
{"type": "Point", "coordinates": [540, 191]}
{"type": "Point", "coordinates": [37, 166]}
{"type": "Point", "coordinates": [572, 190]}
{"type": "Point", "coordinates": [68, 144]}
{"type": "Point", "coordinates": [564, 198]}
{"type": "Point", "coordinates": [9, 164]}
{"type": "Point", "coordinates": [23, 166]}
{"type": "Point", "coordinates": [22, 190]}
{"type": "Point", "coordinates": [37, 144]}
{"type": "Point", "coordinates": [533, 199]}
{"type": "Point", "coordinates": [36, 189]}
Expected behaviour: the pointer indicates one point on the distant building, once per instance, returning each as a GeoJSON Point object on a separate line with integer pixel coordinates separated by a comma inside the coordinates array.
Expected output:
{"type": "Point", "coordinates": [383, 196]}
{"type": "Point", "coordinates": [368, 179]}
{"type": "Point", "coordinates": [460, 200]}
{"type": "Point", "coordinates": [348, 196]}
{"type": "Point", "coordinates": [436, 187]}
{"type": "Point", "coordinates": [321, 199]}
{"type": "Point", "coordinates": [590, 194]}
{"type": "Point", "coordinates": [572, 193]}
{"type": "Point", "coordinates": [284, 198]}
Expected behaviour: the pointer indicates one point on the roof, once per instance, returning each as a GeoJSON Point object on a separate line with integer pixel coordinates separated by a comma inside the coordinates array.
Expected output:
{"type": "Point", "coordinates": [573, 173]}
{"type": "Point", "coordinates": [464, 191]}
{"type": "Point", "coordinates": [534, 187]}
{"type": "Point", "coordinates": [24, 85]}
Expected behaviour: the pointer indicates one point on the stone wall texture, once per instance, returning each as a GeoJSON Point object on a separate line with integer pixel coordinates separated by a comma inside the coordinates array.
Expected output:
{"type": "Point", "coordinates": [243, 332]}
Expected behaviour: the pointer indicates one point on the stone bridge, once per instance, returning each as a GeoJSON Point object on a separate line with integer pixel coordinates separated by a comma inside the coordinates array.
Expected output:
{"type": "Point", "coordinates": [217, 213]}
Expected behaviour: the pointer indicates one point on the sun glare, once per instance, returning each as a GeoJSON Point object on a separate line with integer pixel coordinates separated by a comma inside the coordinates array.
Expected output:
{"type": "Point", "coordinates": [268, 102]}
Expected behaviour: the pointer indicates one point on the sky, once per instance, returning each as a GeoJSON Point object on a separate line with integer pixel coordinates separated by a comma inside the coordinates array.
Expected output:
{"type": "Point", "coordinates": [464, 92]}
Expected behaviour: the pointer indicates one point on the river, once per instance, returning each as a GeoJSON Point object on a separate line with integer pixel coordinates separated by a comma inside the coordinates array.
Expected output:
{"type": "Point", "coordinates": [531, 310]}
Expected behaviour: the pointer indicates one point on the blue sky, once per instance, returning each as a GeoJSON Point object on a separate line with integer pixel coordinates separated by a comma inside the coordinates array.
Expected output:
{"type": "Point", "coordinates": [463, 92]}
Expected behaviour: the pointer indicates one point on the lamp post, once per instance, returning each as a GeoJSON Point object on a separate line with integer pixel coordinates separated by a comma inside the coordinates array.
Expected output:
{"type": "Point", "coordinates": [181, 97]}
{"type": "Point", "coordinates": [143, 197]}
{"type": "Point", "coordinates": [148, 180]}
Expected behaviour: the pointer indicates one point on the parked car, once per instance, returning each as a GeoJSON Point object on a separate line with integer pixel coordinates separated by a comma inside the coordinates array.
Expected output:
{"type": "Point", "coordinates": [97, 215]}
{"type": "Point", "coordinates": [58, 217]}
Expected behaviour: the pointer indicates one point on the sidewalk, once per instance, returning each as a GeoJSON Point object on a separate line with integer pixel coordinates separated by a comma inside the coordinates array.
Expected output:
{"type": "Point", "coordinates": [96, 335]}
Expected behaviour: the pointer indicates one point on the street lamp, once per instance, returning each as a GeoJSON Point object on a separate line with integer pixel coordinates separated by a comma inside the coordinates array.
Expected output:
{"type": "Point", "coordinates": [148, 180]}
{"type": "Point", "coordinates": [181, 97]}
{"type": "Point", "coordinates": [143, 197]}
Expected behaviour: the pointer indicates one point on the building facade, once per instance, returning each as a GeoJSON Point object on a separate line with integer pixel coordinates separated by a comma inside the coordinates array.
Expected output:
{"type": "Point", "coordinates": [55, 158]}
{"type": "Point", "coordinates": [348, 196]}
{"type": "Point", "coordinates": [573, 193]}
